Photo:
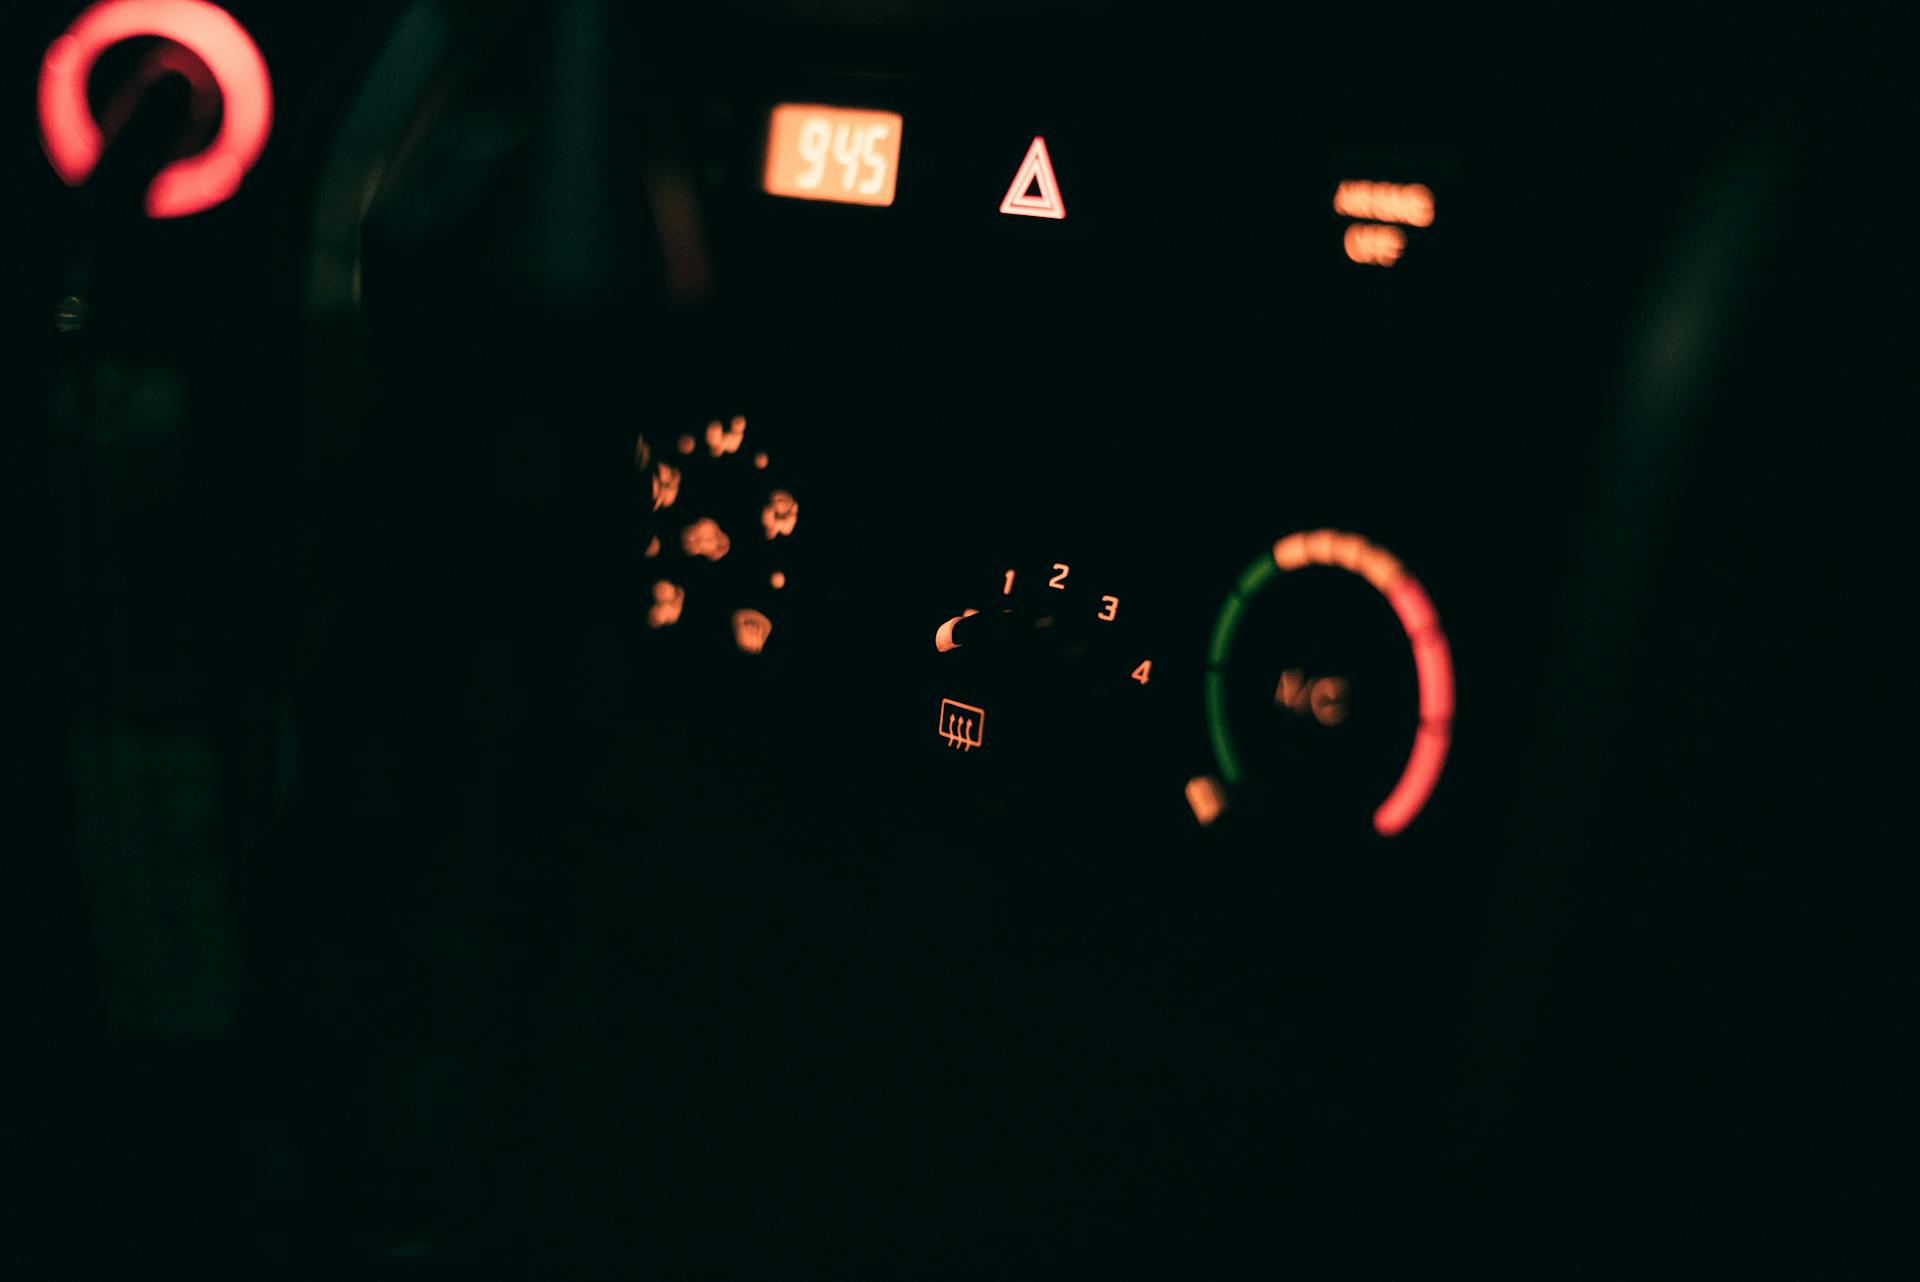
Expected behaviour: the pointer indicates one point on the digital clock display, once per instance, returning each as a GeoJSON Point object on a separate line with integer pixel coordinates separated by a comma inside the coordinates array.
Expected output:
{"type": "Point", "coordinates": [833, 153]}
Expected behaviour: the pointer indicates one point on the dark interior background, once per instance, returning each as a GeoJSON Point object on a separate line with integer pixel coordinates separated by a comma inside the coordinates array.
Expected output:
{"type": "Point", "coordinates": [395, 902]}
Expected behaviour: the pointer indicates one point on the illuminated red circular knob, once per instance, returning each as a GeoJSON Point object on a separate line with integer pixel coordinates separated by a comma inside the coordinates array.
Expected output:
{"type": "Point", "coordinates": [71, 136]}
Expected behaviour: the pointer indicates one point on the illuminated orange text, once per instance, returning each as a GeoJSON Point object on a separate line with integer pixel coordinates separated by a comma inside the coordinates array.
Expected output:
{"type": "Point", "coordinates": [1375, 244]}
{"type": "Point", "coordinates": [1324, 698]}
{"type": "Point", "coordinates": [833, 153]}
{"type": "Point", "coordinates": [1408, 203]}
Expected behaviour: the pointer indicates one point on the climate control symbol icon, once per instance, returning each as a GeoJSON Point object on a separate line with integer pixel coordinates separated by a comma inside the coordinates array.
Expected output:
{"type": "Point", "coordinates": [962, 725]}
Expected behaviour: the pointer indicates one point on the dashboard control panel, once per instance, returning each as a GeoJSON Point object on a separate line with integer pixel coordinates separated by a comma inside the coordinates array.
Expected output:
{"type": "Point", "coordinates": [785, 640]}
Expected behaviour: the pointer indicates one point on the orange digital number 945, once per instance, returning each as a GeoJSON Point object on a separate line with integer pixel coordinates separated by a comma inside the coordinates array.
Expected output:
{"type": "Point", "coordinates": [833, 153]}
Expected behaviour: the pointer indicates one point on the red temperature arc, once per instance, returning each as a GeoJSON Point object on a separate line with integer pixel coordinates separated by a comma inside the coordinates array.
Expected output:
{"type": "Point", "coordinates": [71, 136]}
{"type": "Point", "coordinates": [1432, 660]}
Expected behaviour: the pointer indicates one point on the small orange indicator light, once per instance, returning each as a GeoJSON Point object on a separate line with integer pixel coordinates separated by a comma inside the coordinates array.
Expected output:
{"type": "Point", "coordinates": [1375, 244]}
{"type": "Point", "coordinates": [666, 486]}
{"type": "Point", "coordinates": [778, 578]}
{"type": "Point", "coordinates": [705, 538]}
{"type": "Point", "coordinates": [685, 443]}
{"type": "Point", "coordinates": [780, 515]}
{"type": "Point", "coordinates": [725, 440]}
{"type": "Point", "coordinates": [653, 547]}
{"type": "Point", "coordinates": [816, 152]}
{"type": "Point", "coordinates": [962, 725]}
{"type": "Point", "coordinates": [1035, 192]}
{"type": "Point", "coordinates": [751, 630]}
{"type": "Point", "coordinates": [668, 600]}
{"type": "Point", "coordinates": [1324, 698]}
{"type": "Point", "coordinates": [1207, 798]}
{"type": "Point", "coordinates": [760, 460]}
{"type": "Point", "coordinates": [1408, 203]}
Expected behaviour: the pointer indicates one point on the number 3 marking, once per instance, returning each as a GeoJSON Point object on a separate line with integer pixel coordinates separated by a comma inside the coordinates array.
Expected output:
{"type": "Point", "coordinates": [1113, 608]}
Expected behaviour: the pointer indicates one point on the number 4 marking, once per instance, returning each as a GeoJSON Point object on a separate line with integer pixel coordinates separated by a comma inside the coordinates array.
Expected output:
{"type": "Point", "coordinates": [1144, 671]}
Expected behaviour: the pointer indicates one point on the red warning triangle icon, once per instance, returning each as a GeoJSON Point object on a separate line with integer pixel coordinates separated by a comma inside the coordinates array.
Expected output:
{"type": "Point", "coordinates": [1036, 172]}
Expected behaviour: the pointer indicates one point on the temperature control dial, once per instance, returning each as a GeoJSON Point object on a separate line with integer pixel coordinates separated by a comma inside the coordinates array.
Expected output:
{"type": "Point", "coordinates": [1047, 683]}
{"type": "Point", "coordinates": [1329, 684]}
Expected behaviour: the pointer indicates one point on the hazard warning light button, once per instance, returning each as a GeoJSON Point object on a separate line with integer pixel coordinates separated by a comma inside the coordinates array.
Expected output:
{"type": "Point", "coordinates": [1035, 192]}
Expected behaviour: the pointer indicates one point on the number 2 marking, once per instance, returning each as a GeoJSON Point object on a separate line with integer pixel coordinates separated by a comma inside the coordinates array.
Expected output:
{"type": "Point", "coordinates": [1059, 580]}
{"type": "Point", "coordinates": [1113, 608]}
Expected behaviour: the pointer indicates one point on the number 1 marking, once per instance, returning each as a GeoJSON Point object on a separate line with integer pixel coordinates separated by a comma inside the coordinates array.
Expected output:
{"type": "Point", "coordinates": [1007, 590]}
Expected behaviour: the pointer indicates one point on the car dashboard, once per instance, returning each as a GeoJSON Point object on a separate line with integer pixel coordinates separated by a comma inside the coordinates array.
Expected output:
{"type": "Point", "coordinates": [832, 640]}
